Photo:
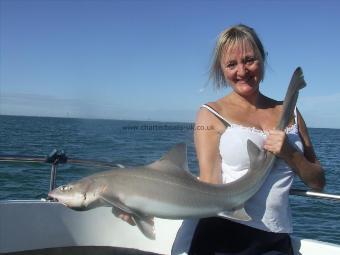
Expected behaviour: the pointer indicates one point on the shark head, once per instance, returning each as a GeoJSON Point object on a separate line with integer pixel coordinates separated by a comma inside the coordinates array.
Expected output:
{"type": "Point", "coordinates": [75, 195]}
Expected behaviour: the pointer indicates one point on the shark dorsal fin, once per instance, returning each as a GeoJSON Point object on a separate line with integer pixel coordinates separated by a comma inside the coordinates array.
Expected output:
{"type": "Point", "coordinates": [175, 160]}
{"type": "Point", "coordinates": [178, 156]}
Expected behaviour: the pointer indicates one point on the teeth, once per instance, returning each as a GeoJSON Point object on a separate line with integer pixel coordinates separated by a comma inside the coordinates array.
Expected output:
{"type": "Point", "coordinates": [243, 80]}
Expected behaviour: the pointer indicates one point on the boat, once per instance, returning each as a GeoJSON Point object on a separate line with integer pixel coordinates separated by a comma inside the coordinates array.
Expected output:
{"type": "Point", "coordinates": [48, 227]}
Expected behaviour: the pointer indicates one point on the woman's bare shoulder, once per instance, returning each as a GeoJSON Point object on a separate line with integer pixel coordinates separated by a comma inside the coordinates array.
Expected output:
{"type": "Point", "coordinates": [216, 105]}
{"type": "Point", "coordinates": [206, 117]}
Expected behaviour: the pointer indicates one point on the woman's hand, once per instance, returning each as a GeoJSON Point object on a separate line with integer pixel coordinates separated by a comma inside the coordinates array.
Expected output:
{"type": "Point", "coordinates": [123, 216]}
{"type": "Point", "coordinates": [277, 143]}
{"type": "Point", "coordinates": [305, 165]}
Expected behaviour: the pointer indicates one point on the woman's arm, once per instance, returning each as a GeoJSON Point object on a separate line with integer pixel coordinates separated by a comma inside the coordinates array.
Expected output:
{"type": "Point", "coordinates": [207, 134]}
{"type": "Point", "coordinates": [306, 165]}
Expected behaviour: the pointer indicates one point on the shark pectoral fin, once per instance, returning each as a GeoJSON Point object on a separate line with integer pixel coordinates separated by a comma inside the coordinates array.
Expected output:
{"type": "Point", "coordinates": [236, 214]}
{"type": "Point", "coordinates": [145, 225]}
{"type": "Point", "coordinates": [115, 203]}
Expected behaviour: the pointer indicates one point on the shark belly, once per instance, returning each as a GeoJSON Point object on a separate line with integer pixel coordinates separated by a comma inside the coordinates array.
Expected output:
{"type": "Point", "coordinates": [171, 210]}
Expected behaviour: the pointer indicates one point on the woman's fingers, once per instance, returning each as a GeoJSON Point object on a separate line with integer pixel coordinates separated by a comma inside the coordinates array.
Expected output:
{"type": "Point", "coordinates": [277, 143]}
{"type": "Point", "coordinates": [123, 216]}
{"type": "Point", "coordinates": [127, 218]}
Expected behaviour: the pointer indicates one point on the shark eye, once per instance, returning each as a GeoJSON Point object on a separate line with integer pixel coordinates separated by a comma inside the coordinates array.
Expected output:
{"type": "Point", "coordinates": [65, 188]}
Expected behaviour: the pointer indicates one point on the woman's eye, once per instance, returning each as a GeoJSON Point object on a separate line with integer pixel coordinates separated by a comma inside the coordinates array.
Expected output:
{"type": "Point", "coordinates": [230, 65]}
{"type": "Point", "coordinates": [249, 60]}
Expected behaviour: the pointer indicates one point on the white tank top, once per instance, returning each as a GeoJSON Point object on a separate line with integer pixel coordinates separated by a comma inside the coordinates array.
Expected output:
{"type": "Point", "coordinates": [269, 207]}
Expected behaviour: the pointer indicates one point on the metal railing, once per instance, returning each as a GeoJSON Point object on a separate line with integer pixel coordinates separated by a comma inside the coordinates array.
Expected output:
{"type": "Point", "coordinates": [59, 157]}
{"type": "Point", "coordinates": [314, 194]}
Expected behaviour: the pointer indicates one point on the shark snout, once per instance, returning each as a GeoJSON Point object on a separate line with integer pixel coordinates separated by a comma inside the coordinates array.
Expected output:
{"type": "Point", "coordinates": [52, 194]}
{"type": "Point", "coordinates": [69, 198]}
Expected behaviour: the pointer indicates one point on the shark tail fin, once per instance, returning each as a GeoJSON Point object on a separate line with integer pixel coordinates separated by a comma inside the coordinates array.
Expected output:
{"type": "Point", "coordinates": [298, 78]}
{"type": "Point", "coordinates": [297, 82]}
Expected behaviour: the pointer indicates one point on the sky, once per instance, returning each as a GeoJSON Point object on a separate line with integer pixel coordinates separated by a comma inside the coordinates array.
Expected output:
{"type": "Point", "coordinates": [149, 59]}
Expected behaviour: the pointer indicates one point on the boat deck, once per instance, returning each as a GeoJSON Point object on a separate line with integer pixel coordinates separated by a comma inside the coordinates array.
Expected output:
{"type": "Point", "coordinates": [41, 227]}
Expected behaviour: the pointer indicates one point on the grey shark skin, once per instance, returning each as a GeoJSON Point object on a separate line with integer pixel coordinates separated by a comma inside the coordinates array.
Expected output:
{"type": "Point", "coordinates": [166, 189]}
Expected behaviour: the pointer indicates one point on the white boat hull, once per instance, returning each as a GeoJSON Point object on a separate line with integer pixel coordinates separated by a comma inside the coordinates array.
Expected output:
{"type": "Point", "coordinates": [33, 225]}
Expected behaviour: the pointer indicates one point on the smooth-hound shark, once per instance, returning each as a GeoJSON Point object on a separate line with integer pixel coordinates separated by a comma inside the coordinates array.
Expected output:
{"type": "Point", "coordinates": [166, 188]}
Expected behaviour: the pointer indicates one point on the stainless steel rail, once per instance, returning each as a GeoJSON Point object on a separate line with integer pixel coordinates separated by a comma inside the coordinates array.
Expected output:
{"type": "Point", "coordinates": [314, 194]}
{"type": "Point", "coordinates": [29, 159]}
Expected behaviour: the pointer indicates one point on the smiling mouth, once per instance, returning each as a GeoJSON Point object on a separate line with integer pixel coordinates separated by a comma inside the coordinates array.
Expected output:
{"type": "Point", "coordinates": [244, 79]}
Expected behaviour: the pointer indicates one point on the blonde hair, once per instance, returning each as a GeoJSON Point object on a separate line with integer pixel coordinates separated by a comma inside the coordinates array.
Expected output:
{"type": "Point", "coordinates": [229, 38]}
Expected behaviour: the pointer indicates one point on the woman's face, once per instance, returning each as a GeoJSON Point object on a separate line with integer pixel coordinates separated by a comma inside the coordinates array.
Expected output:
{"type": "Point", "coordinates": [242, 69]}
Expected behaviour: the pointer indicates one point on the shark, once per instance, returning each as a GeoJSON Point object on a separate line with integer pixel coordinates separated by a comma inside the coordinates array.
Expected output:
{"type": "Point", "coordinates": [166, 188]}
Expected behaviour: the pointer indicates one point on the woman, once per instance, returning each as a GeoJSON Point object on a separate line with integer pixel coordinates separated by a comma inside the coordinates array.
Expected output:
{"type": "Point", "coordinates": [221, 149]}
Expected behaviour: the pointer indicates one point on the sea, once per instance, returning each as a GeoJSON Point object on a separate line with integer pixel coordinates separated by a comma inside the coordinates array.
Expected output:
{"type": "Point", "coordinates": [134, 143]}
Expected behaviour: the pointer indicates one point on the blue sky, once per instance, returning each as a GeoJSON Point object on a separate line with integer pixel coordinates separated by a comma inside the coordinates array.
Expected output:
{"type": "Point", "coordinates": [149, 60]}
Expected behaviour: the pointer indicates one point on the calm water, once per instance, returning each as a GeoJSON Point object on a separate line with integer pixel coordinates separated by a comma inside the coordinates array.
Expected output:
{"type": "Point", "coordinates": [134, 143]}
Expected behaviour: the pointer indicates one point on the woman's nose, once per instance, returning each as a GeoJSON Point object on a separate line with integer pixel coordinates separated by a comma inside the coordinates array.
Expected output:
{"type": "Point", "coordinates": [241, 69]}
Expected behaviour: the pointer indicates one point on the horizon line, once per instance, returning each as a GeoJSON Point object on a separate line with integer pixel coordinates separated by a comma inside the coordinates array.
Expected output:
{"type": "Point", "coordinates": [147, 120]}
